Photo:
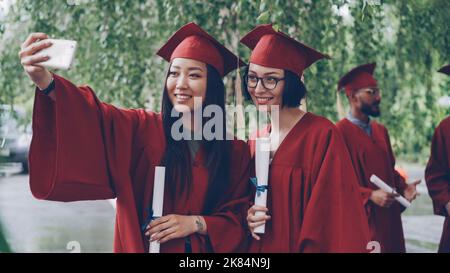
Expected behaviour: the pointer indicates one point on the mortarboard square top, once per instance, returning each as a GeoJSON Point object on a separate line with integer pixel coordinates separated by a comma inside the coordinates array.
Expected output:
{"type": "Point", "coordinates": [192, 42]}
{"type": "Point", "coordinates": [357, 78]}
{"type": "Point", "coordinates": [275, 49]}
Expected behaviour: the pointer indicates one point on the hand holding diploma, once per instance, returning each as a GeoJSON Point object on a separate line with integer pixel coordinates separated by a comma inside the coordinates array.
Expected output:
{"type": "Point", "coordinates": [257, 214]}
{"type": "Point", "coordinates": [388, 190]}
{"type": "Point", "coordinates": [158, 201]}
{"type": "Point", "coordinates": [254, 221]}
{"type": "Point", "coordinates": [172, 226]}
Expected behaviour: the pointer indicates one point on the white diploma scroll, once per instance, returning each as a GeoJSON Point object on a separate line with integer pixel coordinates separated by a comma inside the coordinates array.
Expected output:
{"type": "Point", "coordinates": [385, 187]}
{"type": "Point", "coordinates": [262, 157]}
{"type": "Point", "coordinates": [158, 200]}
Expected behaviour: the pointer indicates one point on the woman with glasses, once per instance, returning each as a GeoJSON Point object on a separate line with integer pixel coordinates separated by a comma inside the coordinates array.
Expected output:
{"type": "Point", "coordinates": [313, 200]}
{"type": "Point", "coordinates": [371, 153]}
{"type": "Point", "coordinates": [84, 149]}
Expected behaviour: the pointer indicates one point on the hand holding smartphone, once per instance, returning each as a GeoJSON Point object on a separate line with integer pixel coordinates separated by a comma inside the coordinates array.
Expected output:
{"type": "Point", "coordinates": [61, 54]}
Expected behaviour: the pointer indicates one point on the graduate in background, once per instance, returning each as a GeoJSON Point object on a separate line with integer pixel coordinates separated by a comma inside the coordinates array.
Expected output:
{"type": "Point", "coordinates": [437, 175]}
{"type": "Point", "coordinates": [371, 152]}
{"type": "Point", "coordinates": [84, 149]}
{"type": "Point", "coordinates": [313, 200]}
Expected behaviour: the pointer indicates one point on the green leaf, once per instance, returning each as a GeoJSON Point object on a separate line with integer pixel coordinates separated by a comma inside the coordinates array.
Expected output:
{"type": "Point", "coordinates": [263, 17]}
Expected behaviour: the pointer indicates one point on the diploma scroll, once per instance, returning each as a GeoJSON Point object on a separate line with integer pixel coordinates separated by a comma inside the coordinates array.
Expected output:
{"type": "Point", "coordinates": [385, 187]}
{"type": "Point", "coordinates": [158, 200]}
{"type": "Point", "coordinates": [262, 157]}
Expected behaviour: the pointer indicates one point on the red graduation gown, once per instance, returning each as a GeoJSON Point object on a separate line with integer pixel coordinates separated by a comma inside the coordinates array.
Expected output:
{"type": "Point", "coordinates": [373, 155]}
{"type": "Point", "coordinates": [437, 175]}
{"type": "Point", "coordinates": [83, 149]}
{"type": "Point", "coordinates": [313, 196]}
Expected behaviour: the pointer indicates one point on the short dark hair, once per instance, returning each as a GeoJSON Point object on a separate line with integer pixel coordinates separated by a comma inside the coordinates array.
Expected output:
{"type": "Point", "coordinates": [294, 89]}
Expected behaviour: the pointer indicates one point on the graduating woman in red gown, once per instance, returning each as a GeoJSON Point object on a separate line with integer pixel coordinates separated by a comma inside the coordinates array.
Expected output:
{"type": "Point", "coordinates": [313, 201]}
{"type": "Point", "coordinates": [84, 149]}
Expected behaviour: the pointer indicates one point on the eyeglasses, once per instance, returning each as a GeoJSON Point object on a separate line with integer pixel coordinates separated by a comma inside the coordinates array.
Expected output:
{"type": "Point", "coordinates": [372, 91]}
{"type": "Point", "coordinates": [268, 83]}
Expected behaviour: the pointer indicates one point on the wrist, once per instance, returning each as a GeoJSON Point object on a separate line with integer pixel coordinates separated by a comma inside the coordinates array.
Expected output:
{"type": "Point", "coordinates": [44, 83]}
{"type": "Point", "coordinates": [371, 195]}
{"type": "Point", "coordinates": [199, 224]}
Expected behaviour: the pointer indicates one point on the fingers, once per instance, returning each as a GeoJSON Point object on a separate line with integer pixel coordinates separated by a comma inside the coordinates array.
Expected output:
{"type": "Point", "coordinates": [253, 209]}
{"type": "Point", "coordinates": [159, 221]}
{"type": "Point", "coordinates": [391, 199]}
{"type": "Point", "coordinates": [257, 218]}
{"type": "Point", "coordinates": [159, 227]}
{"type": "Point", "coordinates": [414, 196]}
{"type": "Point", "coordinates": [30, 69]}
{"type": "Point", "coordinates": [254, 225]}
{"type": "Point", "coordinates": [31, 60]}
{"type": "Point", "coordinates": [387, 202]}
{"type": "Point", "coordinates": [164, 235]}
{"type": "Point", "coordinates": [33, 48]}
{"type": "Point", "coordinates": [391, 196]}
{"type": "Point", "coordinates": [417, 182]}
{"type": "Point", "coordinates": [168, 238]}
{"type": "Point", "coordinates": [255, 236]}
{"type": "Point", "coordinates": [34, 37]}
{"type": "Point", "coordinates": [256, 221]}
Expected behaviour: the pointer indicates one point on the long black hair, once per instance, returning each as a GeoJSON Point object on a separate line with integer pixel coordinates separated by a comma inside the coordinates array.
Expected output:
{"type": "Point", "coordinates": [177, 158]}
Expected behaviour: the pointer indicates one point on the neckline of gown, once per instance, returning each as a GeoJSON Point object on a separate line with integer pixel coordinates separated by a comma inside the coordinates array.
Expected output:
{"type": "Point", "coordinates": [306, 116]}
{"type": "Point", "coordinates": [361, 131]}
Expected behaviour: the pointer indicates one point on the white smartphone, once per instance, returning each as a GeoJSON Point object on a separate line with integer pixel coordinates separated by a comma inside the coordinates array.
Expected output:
{"type": "Point", "coordinates": [61, 53]}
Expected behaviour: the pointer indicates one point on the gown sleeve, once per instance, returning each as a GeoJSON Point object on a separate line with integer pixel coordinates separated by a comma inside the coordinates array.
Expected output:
{"type": "Point", "coordinates": [437, 173]}
{"type": "Point", "coordinates": [77, 141]}
{"type": "Point", "coordinates": [334, 219]}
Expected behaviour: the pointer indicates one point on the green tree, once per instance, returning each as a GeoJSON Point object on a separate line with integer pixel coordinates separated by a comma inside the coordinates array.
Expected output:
{"type": "Point", "coordinates": [409, 40]}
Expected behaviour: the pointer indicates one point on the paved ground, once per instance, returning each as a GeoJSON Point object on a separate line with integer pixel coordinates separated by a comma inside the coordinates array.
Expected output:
{"type": "Point", "coordinates": [422, 229]}
{"type": "Point", "coordinates": [32, 225]}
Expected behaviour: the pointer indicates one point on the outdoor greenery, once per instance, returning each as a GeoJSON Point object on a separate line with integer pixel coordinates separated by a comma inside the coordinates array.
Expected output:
{"type": "Point", "coordinates": [409, 40]}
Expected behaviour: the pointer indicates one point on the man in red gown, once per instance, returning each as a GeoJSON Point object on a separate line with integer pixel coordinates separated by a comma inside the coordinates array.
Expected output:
{"type": "Point", "coordinates": [371, 152]}
{"type": "Point", "coordinates": [437, 175]}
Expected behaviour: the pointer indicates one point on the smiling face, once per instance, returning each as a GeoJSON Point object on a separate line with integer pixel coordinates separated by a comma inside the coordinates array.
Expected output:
{"type": "Point", "coordinates": [262, 95]}
{"type": "Point", "coordinates": [187, 80]}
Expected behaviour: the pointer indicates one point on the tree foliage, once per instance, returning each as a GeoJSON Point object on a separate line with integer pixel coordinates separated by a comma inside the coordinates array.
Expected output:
{"type": "Point", "coordinates": [409, 40]}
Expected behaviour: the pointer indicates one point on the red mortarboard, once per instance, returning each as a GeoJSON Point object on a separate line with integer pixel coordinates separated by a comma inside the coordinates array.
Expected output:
{"type": "Point", "coordinates": [192, 42]}
{"type": "Point", "coordinates": [359, 77]}
{"type": "Point", "coordinates": [275, 49]}
{"type": "Point", "coordinates": [445, 69]}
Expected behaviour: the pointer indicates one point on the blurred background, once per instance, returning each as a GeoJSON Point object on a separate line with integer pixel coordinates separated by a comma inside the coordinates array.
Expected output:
{"type": "Point", "coordinates": [117, 41]}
